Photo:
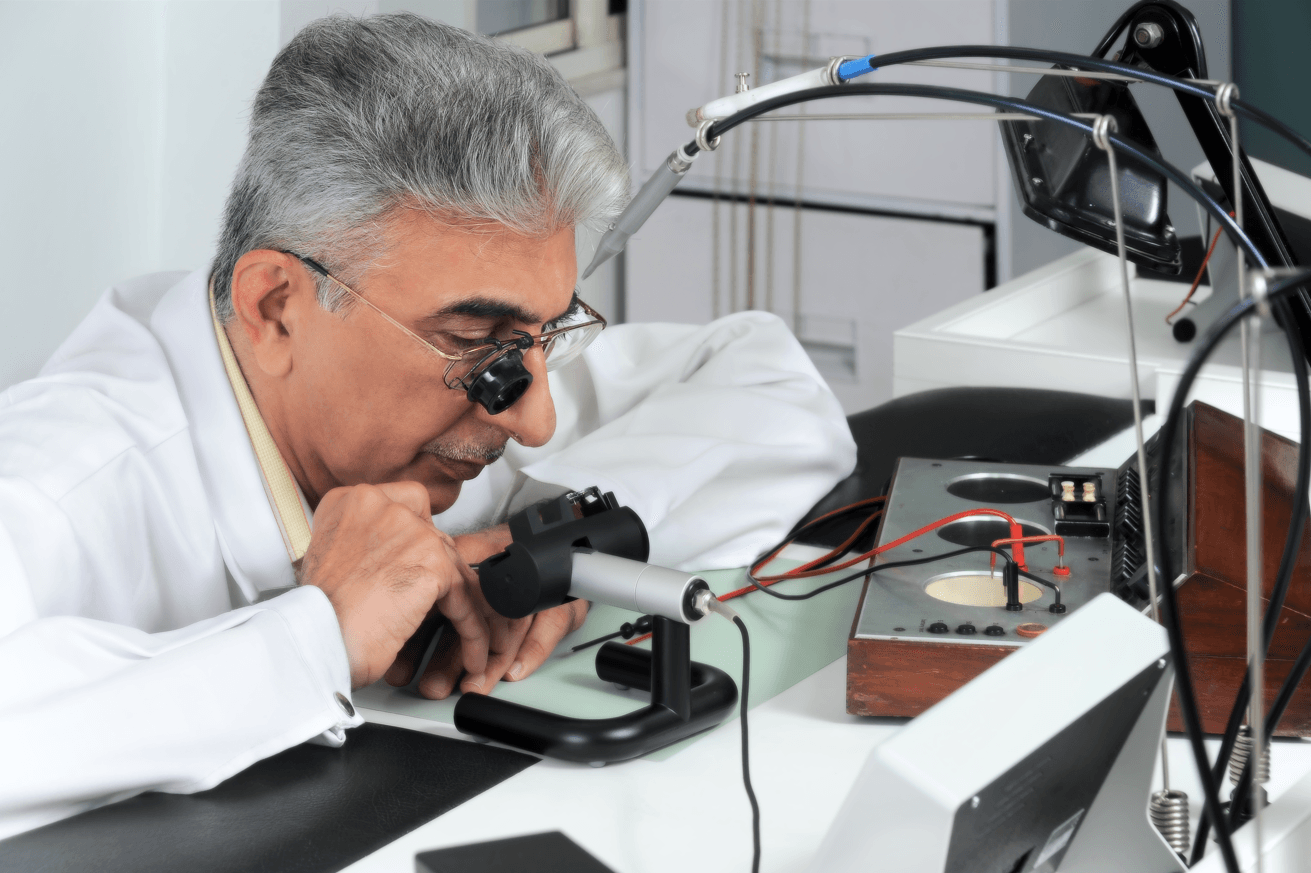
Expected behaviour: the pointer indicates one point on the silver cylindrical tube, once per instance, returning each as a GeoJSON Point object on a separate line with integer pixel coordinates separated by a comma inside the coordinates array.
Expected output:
{"type": "Point", "coordinates": [635, 585]}
{"type": "Point", "coordinates": [639, 209]}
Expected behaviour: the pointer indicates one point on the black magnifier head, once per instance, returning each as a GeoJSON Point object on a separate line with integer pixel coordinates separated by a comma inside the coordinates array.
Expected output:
{"type": "Point", "coordinates": [502, 383]}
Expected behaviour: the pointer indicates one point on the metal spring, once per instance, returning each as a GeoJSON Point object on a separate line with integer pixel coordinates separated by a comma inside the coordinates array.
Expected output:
{"type": "Point", "coordinates": [1243, 751]}
{"type": "Point", "coordinates": [1168, 811]}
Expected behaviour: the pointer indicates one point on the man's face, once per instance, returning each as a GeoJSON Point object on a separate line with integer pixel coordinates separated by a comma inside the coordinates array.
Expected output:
{"type": "Point", "coordinates": [368, 404]}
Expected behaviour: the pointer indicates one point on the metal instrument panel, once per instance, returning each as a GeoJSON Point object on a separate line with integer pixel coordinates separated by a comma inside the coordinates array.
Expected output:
{"type": "Point", "coordinates": [897, 602]}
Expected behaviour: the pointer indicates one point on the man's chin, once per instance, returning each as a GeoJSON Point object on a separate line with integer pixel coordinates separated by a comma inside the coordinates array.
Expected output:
{"type": "Point", "coordinates": [442, 495]}
{"type": "Point", "coordinates": [444, 478]}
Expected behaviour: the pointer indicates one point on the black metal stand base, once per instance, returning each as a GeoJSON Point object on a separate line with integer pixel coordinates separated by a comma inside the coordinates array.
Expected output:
{"type": "Point", "coordinates": [686, 698]}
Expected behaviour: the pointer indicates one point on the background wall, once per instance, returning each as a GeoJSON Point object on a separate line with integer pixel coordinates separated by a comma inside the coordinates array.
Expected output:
{"type": "Point", "coordinates": [1270, 44]}
{"type": "Point", "coordinates": [124, 121]}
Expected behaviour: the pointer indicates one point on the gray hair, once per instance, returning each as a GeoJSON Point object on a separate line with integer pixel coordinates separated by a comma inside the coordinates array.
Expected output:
{"type": "Point", "coordinates": [360, 117]}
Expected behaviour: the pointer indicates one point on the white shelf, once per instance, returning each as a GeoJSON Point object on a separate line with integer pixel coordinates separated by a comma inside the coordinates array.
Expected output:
{"type": "Point", "coordinates": [1063, 327]}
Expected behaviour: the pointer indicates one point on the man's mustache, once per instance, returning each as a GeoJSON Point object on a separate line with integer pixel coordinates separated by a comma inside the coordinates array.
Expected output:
{"type": "Point", "coordinates": [467, 452]}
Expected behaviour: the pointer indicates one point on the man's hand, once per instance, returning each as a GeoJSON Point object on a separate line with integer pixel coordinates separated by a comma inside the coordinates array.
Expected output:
{"type": "Point", "coordinates": [517, 646]}
{"type": "Point", "coordinates": [375, 553]}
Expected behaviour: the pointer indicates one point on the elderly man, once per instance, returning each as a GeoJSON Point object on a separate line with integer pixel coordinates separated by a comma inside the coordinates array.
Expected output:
{"type": "Point", "coordinates": [231, 497]}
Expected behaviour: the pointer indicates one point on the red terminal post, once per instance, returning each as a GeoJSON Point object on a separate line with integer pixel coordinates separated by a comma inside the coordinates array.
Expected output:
{"type": "Point", "coordinates": [1017, 546]}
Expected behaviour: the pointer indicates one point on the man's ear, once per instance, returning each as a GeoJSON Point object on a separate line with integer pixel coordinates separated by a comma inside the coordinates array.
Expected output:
{"type": "Point", "coordinates": [268, 289]}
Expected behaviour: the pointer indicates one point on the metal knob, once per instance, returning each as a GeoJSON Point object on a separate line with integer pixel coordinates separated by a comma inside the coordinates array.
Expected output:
{"type": "Point", "coordinates": [1148, 35]}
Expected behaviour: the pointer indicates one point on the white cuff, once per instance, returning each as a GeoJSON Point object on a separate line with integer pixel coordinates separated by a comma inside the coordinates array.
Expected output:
{"type": "Point", "coordinates": [314, 628]}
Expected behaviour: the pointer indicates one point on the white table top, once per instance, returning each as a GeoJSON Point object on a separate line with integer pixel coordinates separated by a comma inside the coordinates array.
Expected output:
{"type": "Point", "coordinates": [690, 813]}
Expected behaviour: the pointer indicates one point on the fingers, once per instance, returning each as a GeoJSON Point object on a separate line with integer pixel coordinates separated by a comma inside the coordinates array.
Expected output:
{"type": "Point", "coordinates": [402, 670]}
{"type": "Point", "coordinates": [549, 627]}
{"type": "Point", "coordinates": [459, 606]}
{"type": "Point", "coordinates": [411, 495]}
{"type": "Point", "coordinates": [507, 638]}
{"type": "Point", "coordinates": [443, 671]}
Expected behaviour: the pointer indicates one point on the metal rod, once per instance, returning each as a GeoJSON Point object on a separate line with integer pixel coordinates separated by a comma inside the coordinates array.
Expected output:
{"type": "Point", "coordinates": [1044, 71]}
{"type": "Point", "coordinates": [1250, 334]}
{"type": "Point", "coordinates": [1102, 128]}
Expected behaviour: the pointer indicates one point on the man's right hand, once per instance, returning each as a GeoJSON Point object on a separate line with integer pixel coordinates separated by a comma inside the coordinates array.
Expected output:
{"type": "Point", "coordinates": [375, 553]}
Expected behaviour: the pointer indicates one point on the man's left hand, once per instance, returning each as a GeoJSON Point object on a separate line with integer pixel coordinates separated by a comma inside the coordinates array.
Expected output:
{"type": "Point", "coordinates": [517, 648]}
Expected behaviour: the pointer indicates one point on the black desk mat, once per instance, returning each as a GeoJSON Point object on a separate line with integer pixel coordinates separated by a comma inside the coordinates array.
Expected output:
{"type": "Point", "coordinates": [310, 809]}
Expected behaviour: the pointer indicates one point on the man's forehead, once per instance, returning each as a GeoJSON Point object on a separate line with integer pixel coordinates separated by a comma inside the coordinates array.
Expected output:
{"type": "Point", "coordinates": [483, 272]}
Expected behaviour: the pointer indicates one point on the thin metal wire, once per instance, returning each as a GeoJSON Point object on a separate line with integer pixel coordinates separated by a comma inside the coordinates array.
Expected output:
{"type": "Point", "coordinates": [797, 212]}
{"type": "Point", "coordinates": [1102, 129]}
{"type": "Point", "coordinates": [1045, 71]}
{"type": "Point", "coordinates": [1250, 338]}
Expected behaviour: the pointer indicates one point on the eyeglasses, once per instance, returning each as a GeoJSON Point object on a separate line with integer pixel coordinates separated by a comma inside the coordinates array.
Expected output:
{"type": "Point", "coordinates": [492, 373]}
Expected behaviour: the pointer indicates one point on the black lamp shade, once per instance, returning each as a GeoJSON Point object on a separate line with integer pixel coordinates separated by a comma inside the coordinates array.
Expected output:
{"type": "Point", "coordinates": [1063, 179]}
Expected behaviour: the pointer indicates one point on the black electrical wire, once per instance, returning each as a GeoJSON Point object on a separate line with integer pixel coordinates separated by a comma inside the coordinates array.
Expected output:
{"type": "Point", "coordinates": [1283, 578]}
{"type": "Point", "coordinates": [1291, 548]}
{"type": "Point", "coordinates": [746, 760]}
{"type": "Point", "coordinates": [1169, 430]}
{"type": "Point", "coordinates": [1067, 59]}
{"type": "Point", "coordinates": [891, 565]}
{"type": "Point", "coordinates": [1013, 104]}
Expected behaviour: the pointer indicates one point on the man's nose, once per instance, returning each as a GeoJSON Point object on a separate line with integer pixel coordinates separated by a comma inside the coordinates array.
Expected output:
{"type": "Point", "coordinates": [531, 420]}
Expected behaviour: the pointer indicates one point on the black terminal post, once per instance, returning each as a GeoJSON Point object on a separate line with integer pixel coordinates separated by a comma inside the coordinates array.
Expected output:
{"type": "Point", "coordinates": [1010, 578]}
{"type": "Point", "coordinates": [536, 573]}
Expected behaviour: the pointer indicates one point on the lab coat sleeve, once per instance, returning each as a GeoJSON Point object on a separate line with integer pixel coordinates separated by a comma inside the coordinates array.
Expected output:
{"type": "Point", "coordinates": [719, 436]}
{"type": "Point", "coordinates": [93, 712]}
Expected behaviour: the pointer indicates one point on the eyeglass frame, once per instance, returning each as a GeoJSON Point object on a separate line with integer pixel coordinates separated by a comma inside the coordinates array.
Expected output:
{"type": "Point", "coordinates": [489, 351]}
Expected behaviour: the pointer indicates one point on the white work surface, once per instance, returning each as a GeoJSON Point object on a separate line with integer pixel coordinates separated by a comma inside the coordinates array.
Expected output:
{"type": "Point", "coordinates": [690, 814]}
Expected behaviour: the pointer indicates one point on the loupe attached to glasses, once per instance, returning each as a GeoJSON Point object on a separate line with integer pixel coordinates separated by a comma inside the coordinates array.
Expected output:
{"type": "Point", "coordinates": [498, 383]}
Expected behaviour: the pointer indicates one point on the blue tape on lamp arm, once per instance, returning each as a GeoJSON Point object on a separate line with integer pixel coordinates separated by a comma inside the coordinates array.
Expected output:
{"type": "Point", "coordinates": [851, 69]}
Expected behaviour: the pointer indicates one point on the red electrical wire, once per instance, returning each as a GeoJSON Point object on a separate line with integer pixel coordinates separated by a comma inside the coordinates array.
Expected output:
{"type": "Point", "coordinates": [1017, 550]}
{"type": "Point", "coordinates": [1201, 271]}
{"type": "Point", "coordinates": [1046, 538]}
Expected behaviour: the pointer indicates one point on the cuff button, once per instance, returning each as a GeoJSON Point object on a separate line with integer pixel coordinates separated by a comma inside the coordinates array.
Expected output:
{"type": "Point", "coordinates": [345, 705]}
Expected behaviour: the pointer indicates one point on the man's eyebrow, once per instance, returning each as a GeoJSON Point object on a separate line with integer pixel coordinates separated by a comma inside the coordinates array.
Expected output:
{"type": "Point", "coordinates": [495, 310]}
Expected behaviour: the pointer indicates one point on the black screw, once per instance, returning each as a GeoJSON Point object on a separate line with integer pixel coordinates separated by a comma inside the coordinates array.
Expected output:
{"type": "Point", "coordinates": [898, 629]}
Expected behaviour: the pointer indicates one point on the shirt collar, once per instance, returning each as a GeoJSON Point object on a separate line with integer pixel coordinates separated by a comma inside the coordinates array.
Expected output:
{"type": "Point", "coordinates": [247, 528]}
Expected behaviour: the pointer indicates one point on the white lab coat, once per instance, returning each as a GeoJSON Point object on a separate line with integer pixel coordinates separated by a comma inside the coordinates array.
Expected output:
{"type": "Point", "coordinates": [136, 537]}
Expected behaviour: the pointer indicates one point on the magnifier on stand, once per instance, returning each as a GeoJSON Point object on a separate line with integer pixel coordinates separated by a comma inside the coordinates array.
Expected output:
{"type": "Point", "coordinates": [584, 545]}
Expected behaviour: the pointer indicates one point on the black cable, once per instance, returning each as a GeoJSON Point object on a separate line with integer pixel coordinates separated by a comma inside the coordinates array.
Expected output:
{"type": "Point", "coordinates": [627, 630]}
{"type": "Point", "coordinates": [1283, 579]}
{"type": "Point", "coordinates": [755, 583]}
{"type": "Point", "coordinates": [1173, 623]}
{"type": "Point", "coordinates": [1067, 59]}
{"type": "Point", "coordinates": [1041, 581]}
{"type": "Point", "coordinates": [959, 95]}
{"type": "Point", "coordinates": [746, 760]}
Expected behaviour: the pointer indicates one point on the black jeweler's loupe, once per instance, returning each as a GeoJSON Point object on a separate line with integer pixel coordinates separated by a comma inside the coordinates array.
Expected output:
{"type": "Point", "coordinates": [499, 384]}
